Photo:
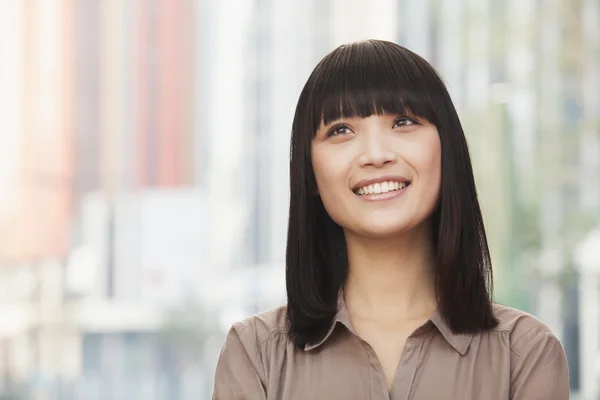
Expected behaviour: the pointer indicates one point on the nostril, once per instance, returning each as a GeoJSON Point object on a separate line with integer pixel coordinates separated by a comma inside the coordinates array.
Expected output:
{"type": "Point", "coordinates": [378, 157]}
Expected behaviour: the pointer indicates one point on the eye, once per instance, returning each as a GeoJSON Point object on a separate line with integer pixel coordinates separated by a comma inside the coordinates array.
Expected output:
{"type": "Point", "coordinates": [338, 129]}
{"type": "Point", "coordinates": [404, 121]}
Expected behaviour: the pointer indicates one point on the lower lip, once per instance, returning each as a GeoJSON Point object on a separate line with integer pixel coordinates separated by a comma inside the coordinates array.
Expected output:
{"type": "Point", "coordinates": [383, 196]}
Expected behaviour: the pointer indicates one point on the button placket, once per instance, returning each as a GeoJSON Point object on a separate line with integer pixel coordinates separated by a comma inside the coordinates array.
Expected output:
{"type": "Point", "coordinates": [379, 388]}
{"type": "Point", "coordinates": [407, 367]}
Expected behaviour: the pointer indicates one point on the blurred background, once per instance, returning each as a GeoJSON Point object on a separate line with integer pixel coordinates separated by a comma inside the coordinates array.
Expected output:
{"type": "Point", "coordinates": [144, 173]}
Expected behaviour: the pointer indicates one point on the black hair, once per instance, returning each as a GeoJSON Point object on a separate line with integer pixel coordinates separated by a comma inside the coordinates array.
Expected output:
{"type": "Point", "coordinates": [359, 80]}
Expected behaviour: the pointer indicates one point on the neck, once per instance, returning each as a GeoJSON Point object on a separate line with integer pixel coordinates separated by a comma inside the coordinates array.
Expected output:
{"type": "Point", "coordinates": [390, 279]}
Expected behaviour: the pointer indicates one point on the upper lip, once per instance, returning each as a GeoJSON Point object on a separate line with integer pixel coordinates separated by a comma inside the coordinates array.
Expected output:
{"type": "Point", "coordinates": [367, 182]}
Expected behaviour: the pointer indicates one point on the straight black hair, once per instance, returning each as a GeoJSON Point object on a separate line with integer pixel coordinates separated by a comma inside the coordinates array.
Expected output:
{"type": "Point", "coordinates": [362, 79]}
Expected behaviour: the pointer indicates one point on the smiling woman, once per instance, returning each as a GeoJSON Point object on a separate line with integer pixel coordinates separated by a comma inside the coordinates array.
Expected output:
{"type": "Point", "coordinates": [388, 270]}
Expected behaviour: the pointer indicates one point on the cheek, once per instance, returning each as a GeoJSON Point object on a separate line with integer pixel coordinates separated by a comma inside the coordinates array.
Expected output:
{"type": "Point", "coordinates": [329, 174]}
{"type": "Point", "coordinates": [427, 162]}
{"type": "Point", "coordinates": [331, 178]}
{"type": "Point", "coordinates": [433, 165]}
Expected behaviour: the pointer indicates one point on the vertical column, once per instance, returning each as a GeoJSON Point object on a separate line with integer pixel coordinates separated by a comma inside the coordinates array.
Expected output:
{"type": "Point", "coordinates": [587, 257]}
{"type": "Point", "coordinates": [477, 78]}
{"type": "Point", "coordinates": [11, 104]}
{"type": "Point", "coordinates": [417, 20]}
{"type": "Point", "coordinates": [112, 90]}
{"type": "Point", "coordinates": [118, 154]}
{"type": "Point", "coordinates": [590, 107]}
{"type": "Point", "coordinates": [552, 257]}
{"type": "Point", "coordinates": [86, 110]}
{"type": "Point", "coordinates": [229, 134]}
{"type": "Point", "coordinates": [520, 54]}
{"type": "Point", "coordinates": [450, 49]}
{"type": "Point", "coordinates": [291, 53]}
{"type": "Point", "coordinates": [516, 84]}
{"type": "Point", "coordinates": [174, 43]}
{"type": "Point", "coordinates": [112, 134]}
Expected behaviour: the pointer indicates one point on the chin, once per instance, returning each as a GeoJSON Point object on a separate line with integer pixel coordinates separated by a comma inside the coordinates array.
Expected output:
{"type": "Point", "coordinates": [382, 230]}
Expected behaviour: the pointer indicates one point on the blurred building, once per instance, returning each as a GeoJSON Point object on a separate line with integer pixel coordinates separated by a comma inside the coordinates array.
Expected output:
{"type": "Point", "coordinates": [38, 166]}
{"type": "Point", "coordinates": [144, 170]}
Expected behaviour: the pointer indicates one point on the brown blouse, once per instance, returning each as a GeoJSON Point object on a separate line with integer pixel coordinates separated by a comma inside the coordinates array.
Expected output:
{"type": "Point", "coordinates": [520, 360]}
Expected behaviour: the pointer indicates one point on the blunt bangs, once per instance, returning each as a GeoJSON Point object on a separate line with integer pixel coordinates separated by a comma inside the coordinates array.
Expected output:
{"type": "Point", "coordinates": [369, 78]}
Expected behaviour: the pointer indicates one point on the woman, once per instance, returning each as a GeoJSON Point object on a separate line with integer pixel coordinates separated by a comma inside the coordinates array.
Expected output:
{"type": "Point", "coordinates": [388, 270]}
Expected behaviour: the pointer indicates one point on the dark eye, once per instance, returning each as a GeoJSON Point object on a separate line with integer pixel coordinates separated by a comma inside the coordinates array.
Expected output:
{"type": "Point", "coordinates": [339, 129]}
{"type": "Point", "coordinates": [404, 121]}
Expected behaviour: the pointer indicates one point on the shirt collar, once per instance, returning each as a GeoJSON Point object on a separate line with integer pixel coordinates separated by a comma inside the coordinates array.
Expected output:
{"type": "Point", "coordinates": [459, 341]}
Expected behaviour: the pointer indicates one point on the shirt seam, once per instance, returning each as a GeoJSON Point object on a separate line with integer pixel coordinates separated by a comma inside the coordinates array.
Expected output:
{"type": "Point", "coordinates": [510, 343]}
{"type": "Point", "coordinates": [243, 327]}
{"type": "Point", "coordinates": [522, 335]}
{"type": "Point", "coordinates": [271, 335]}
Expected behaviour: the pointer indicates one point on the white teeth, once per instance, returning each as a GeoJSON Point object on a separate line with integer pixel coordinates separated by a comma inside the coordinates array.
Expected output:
{"type": "Point", "coordinates": [383, 187]}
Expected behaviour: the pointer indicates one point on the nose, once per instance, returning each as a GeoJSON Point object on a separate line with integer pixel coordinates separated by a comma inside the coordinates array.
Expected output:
{"type": "Point", "coordinates": [376, 151]}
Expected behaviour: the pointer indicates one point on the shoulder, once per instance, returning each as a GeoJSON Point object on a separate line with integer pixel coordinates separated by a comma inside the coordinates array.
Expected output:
{"type": "Point", "coordinates": [517, 322]}
{"type": "Point", "coordinates": [259, 328]}
{"type": "Point", "coordinates": [242, 369]}
{"type": "Point", "coordinates": [538, 364]}
{"type": "Point", "coordinates": [522, 328]}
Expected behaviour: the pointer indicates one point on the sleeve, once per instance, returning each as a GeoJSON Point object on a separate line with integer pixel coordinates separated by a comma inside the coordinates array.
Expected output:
{"type": "Point", "coordinates": [539, 369]}
{"type": "Point", "coordinates": [239, 374]}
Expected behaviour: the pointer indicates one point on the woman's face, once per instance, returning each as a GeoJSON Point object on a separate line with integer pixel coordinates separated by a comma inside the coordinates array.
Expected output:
{"type": "Point", "coordinates": [378, 176]}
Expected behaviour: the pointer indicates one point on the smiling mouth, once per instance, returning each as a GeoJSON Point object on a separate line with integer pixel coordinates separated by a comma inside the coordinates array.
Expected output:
{"type": "Point", "coordinates": [381, 187]}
